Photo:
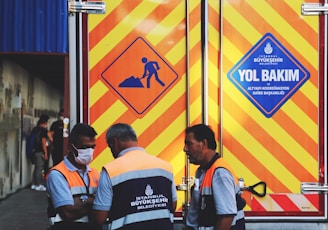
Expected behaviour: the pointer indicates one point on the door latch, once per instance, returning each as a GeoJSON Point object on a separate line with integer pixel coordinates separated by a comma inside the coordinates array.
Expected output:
{"type": "Point", "coordinates": [87, 7]}
{"type": "Point", "coordinates": [313, 187]}
{"type": "Point", "coordinates": [314, 9]}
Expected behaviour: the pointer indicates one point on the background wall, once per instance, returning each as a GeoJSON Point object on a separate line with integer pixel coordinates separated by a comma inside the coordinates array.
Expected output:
{"type": "Point", "coordinates": [23, 98]}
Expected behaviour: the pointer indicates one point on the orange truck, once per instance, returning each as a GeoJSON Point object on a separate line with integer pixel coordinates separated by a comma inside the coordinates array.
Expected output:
{"type": "Point", "coordinates": [254, 70]}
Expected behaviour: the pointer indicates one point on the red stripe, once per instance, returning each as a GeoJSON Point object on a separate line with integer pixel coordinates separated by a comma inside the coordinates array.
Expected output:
{"type": "Point", "coordinates": [257, 207]}
{"type": "Point", "coordinates": [285, 203]}
{"type": "Point", "coordinates": [314, 199]}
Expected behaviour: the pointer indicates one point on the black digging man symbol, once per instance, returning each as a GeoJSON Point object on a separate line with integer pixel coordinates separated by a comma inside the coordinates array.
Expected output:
{"type": "Point", "coordinates": [150, 70]}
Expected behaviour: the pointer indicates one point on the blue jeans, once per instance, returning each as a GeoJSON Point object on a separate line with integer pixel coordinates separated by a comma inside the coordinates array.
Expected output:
{"type": "Point", "coordinates": [38, 169]}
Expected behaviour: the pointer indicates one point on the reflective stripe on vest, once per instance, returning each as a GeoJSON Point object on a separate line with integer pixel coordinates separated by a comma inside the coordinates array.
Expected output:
{"type": "Point", "coordinates": [150, 199]}
{"type": "Point", "coordinates": [205, 228]}
{"type": "Point", "coordinates": [77, 186]}
{"type": "Point", "coordinates": [142, 216]}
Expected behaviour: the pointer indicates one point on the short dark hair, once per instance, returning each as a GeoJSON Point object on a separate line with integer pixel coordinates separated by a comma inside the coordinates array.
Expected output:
{"type": "Point", "coordinates": [122, 132]}
{"type": "Point", "coordinates": [43, 118]}
{"type": "Point", "coordinates": [203, 132]}
{"type": "Point", "coordinates": [81, 129]}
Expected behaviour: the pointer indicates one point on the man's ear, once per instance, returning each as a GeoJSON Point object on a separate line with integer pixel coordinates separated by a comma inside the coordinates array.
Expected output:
{"type": "Point", "coordinates": [205, 143]}
{"type": "Point", "coordinates": [72, 149]}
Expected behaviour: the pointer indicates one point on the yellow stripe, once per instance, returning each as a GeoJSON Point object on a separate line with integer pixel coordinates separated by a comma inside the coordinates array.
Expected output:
{"type": "Point", "coordinates": [142, 124]}
{"type": "Point", "coordinates": [96, 92]}
{"type": "Point", "coordinates": [215, 5]}
{"type": "Point", "coordinates": [241, 24]}
{"type": "Point", "coordinates": [214, 108]}
{"type": "Point", "coordinates": [178, 160]}
{"type": "Point", "coordinates": [308, 89]}
{"type": "Point", "coordinates": [168, 135]}
{"type": "Point", "coordinates": [313, 133]}
{"type": "Point", "coordinates": [95, 19]}
{"type": "Point", "coordinates": [286, 30]}
{"type": "Point", "coordinates": [276, 131]}
{"type": "Point", "coordinates": [233, 53]}
{"type": "Point", "coordinates": [175, 54]}
{"type": "Point", "coordinates": [213, 75]}
{"type": "Point", "coordinates": [108, 117]}
{"type": "Point", "coordinates": [118, 33]}
{"type": "Point", "coordinates": [241, 170]}
{"type": "Point", "coordinates": [302, 120]}
{"type": "Point", "coordinates": [260, 153]}
{"type": "Point", "coordinates": [296, 6]}
{"type": "Point", "coordinates": [213, 37]}
{"type": "Point", "coordinates": [166, 25]}
{"type": "Point", "coordinates": [104, 157]}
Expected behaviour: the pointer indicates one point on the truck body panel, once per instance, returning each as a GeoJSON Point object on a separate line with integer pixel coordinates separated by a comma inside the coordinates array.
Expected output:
{"type": "Point", "coordinates": [249, 69]}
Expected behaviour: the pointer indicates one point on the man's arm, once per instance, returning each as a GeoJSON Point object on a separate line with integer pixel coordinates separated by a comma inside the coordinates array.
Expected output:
{"type": "Point", "coordinates": [225, 198]}
{"type": "Point", "coordinates": [67, 207]}
{"type": "Point", "coordinates": [99, 216]}
{"type": "Point", "coordinates": [103, 200]}
{"type": "Point", "coordinates": [44, 147]}
{"type": "Point", "coordinates": [174, 195]}
{"type": "Point", "coordinates": [223, 223]}
{"type": "Point", "coordinates": [76, 211]}
{"type": "Point", "coordinates": [174, 205]}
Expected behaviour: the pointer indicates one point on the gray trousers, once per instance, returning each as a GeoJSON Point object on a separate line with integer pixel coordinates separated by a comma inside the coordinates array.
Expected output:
{"type": "Point", "coordinates": [38, 169]}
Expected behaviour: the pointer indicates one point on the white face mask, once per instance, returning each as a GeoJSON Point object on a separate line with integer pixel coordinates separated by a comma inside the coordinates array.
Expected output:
{"type": "Point", "coordinates": [84, 156]}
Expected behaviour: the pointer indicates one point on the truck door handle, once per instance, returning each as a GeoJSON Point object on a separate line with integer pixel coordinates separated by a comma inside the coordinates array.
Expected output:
{"type": "Point", "coordinates": [254, 191]}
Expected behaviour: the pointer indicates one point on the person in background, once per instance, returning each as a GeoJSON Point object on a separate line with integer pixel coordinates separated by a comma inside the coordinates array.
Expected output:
{"type": "Point", "coordinates": [215, 202]}
{"type": "Point", "coordinates": [41, 153]}
{"type": "Point", "coordinates": [136, 190]}
{"type": "Point", "coordinates": [56, 138]}
{"type": "Point", "coordinates": [72, 183]}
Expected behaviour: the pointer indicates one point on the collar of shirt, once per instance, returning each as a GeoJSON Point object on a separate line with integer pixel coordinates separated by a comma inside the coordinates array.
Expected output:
{"type": "Point", "coordinates": [130, 149]}
{"type": "Point", "coordinates": [209, 164]}
{"type": "Point", "coordinates": [72, 168]}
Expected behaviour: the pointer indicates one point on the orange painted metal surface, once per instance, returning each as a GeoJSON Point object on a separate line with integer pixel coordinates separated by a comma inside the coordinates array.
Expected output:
{"type": "Point", "coordinates": [281, 150]}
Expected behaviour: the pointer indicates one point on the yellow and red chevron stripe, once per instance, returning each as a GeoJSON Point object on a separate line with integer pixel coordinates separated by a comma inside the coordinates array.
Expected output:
{"type": "Point", "coordinates": [281, 150]}
{"type": "Point", "coordinates": [286, 203]}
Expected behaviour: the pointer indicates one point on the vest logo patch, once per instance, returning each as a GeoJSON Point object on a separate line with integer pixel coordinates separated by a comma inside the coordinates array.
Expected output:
{"type": "Point", "coordinates": [150, 200]}
{"type": "Point", "coordinates": [148, 190]}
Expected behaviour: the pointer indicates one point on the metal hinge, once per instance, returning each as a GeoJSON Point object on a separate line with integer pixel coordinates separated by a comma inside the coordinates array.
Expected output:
{"type": "Point", "coordinates": [312, 187]}
{"type": "Point", "coordinates": [87, 7]}
{"type": "Point", "coordinates": [314, 9]}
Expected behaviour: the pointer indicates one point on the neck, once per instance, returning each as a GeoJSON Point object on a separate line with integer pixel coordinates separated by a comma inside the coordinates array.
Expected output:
{"type": "Point", "coordinates": [208, 157]}
{"type": "Point", "coordinates": [127, 144]}
{"type": "Point", "coordinates": [71, 158]}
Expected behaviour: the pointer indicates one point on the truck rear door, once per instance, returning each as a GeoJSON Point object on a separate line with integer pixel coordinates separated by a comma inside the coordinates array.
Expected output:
{"type": "Point", "coordinates": [137, 75]}
{"type": "Point", "coordinates": [272, 99]}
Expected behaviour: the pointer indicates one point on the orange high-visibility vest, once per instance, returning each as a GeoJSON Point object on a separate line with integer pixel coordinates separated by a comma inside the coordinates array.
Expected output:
{"type": "Point", "coordinates": [77, 186]}
{"type": "Point", "coordinates": [142, 192]}
{"type": "Point", "coordinates": [207, 212]}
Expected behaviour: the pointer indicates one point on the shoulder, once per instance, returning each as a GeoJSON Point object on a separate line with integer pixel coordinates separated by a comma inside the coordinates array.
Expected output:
{"type": "Point", "coordinates": [94, 171]}
{"type": "Point", "coordinates": [55, 175]}
{"type": "Point", "coordinates": [223, 175]}
{"type": "Point", "coordinates": [162, 163]}
{"type": "Point", "coordinates": [56, 124]}
{"type": "Point", "coordinates": [43, 131]}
